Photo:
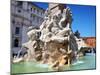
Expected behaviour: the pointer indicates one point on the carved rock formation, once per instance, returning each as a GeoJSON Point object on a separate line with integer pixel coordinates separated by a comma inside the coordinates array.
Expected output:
{"type": "Point", "coordinates": [54, 43]}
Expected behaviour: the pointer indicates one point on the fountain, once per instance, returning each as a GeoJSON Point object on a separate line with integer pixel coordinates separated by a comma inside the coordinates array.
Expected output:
{"type": "Point", "coordinates": [54, 42]}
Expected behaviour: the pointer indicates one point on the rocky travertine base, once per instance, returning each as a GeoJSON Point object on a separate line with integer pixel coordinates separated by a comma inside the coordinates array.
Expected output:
{"type": "Point", "coordinates": [54, 42]}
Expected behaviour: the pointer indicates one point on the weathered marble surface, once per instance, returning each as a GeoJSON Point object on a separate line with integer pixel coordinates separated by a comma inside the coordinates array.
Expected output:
{"type": "Point", "coordinates": [54, 42]}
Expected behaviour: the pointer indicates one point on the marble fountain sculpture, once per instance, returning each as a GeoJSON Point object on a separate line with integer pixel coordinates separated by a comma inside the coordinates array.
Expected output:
{"type": "Point", "coordinates": [54, 42]}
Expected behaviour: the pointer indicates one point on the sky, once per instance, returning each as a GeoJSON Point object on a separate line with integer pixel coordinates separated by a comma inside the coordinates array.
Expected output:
{"type": "Point", "coordinates": [84, 18]}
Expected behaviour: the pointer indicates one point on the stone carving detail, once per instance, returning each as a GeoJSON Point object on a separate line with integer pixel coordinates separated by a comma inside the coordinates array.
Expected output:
{"type": "Point", "coordinates": [54, 42]}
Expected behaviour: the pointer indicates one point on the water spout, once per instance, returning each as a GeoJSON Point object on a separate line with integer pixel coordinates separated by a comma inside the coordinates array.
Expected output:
{"type": "Point", "coordinates": [19, 52]}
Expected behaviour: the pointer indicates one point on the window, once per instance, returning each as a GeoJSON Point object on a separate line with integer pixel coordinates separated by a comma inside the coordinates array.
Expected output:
{"type": "Point", "coordinates": [31, 15]}
{"type": "Point", "coordinates": [17, 29]}
{"type": "Point", "coordinates": [13, 21]}
{"type": "Point", "coordinates": [31, 9]}
{"type": "Point", "coordinates": [37, 20]}
{"type": "Point", "coordinates": [79, 40]}
{"type": "Point", "coordinates": [37, 11]}
{"type": "Point", "coordinates": [34, 9]}
{"type": "Point", "coordinates": [19, 11]}
{"type": "Point", "coordinates": [16, 42]}
{"type": "Point", "coordinates": [19, 3]}
{"type": "Point", "coordinates": [41, 13]}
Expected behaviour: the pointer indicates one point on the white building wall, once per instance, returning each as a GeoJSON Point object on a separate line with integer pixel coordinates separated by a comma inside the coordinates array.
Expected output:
{"type": "Point", "coordinates": [16, 49]}
{"type": "Point", "coordinates": [24, 34]}
{"type": "Point", "coordinates": [25, 5]}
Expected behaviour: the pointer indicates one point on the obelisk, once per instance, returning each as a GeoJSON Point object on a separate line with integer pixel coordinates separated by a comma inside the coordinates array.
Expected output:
{"type": "Point", "coordinates": [54, 7]}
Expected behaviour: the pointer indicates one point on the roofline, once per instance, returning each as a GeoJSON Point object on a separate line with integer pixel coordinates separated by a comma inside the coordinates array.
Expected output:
{"type": "Point", "coordinates": [30, 2]}
{"type": "Point", "coordinates": [88, 37]}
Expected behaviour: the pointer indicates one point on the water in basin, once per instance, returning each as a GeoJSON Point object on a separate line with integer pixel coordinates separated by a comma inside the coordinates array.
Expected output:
{"type": "Point", "coordinates": [85, 62]}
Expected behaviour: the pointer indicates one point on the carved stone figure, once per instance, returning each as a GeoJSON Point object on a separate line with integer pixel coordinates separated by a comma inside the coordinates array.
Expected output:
{"type": "Point", "coordinates": [56, 45]}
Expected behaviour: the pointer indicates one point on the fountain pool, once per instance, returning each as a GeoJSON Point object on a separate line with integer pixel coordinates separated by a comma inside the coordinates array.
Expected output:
{"type": "Point", "coordinates": [84, 63]}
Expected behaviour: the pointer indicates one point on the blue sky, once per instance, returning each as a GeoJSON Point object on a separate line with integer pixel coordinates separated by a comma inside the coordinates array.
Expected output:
{"type": "Point", "coordinates": [83, 18]}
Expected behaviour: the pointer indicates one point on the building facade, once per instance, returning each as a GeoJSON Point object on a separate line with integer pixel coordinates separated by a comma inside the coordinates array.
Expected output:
{"type": "Point", "coordinates": [90, 41]}
{"type": "Point", "coordinates": [23, 15]}
{"type": "Point", "coordinates": [81, 43]}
